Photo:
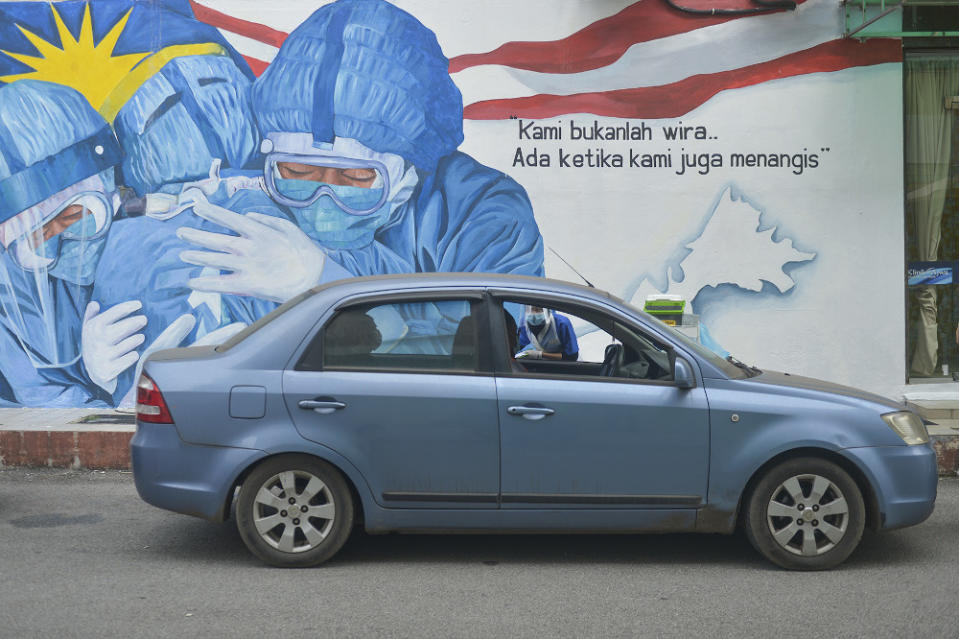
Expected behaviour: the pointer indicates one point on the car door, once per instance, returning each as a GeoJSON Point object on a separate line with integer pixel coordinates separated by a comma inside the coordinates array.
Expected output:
{"type": "Point", "coordinates": [400, 389]}
{"type": "Point", "coordinates": [586, 441]}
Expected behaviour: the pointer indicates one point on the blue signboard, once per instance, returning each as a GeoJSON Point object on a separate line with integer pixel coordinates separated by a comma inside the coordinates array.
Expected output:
{"type": "Point", "coordinates": [930, 273]}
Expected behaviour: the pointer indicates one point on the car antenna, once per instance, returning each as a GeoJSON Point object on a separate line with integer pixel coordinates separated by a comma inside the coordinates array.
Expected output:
{"type": "Point", "coordinates": [588, 283]}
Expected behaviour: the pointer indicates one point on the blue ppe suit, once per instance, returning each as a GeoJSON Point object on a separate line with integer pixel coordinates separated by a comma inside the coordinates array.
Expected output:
{"type": "Point", "coordinates": [51, 140]}
{"type": "Point", "coordinates": [368, 71]}
{"type": "Point", "coordinates": [561, 331]}
{"type": "Point", "coordinates": [464, 217]}
{"type": "Point", "coordinates": [142, 262]}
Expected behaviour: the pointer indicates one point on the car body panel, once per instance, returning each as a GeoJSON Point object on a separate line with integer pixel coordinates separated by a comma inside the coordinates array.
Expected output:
{"type": "Point", "coordinates": [418, 439]}
{"type": "Point", "coordinates": [620, 444]}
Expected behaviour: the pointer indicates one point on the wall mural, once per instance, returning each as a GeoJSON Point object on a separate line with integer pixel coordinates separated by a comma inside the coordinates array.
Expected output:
{"type": "Point", "coordinates": [170, 171]}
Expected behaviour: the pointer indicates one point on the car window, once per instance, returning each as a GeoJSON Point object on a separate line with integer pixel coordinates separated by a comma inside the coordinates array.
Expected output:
{"type": "Point", "coordinates": [436, 335]}
{"type": "Point", "coordinates": [581, 342]}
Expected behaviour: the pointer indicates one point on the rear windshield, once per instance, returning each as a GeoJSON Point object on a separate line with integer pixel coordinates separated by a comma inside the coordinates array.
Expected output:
{"type": "Point", "coordinates": [263, 321]}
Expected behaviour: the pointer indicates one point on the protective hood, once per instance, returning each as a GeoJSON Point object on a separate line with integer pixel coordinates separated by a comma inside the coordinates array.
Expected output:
{"type": "Point", "coordinates": [50, 138]}
{"type": "Point", "coordinates": [195, 110]}
{"type": "Point", "coordinates": [364, 70]}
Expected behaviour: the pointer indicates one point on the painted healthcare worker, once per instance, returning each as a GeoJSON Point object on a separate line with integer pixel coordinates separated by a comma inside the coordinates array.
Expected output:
{"type": "Point", "coordinates": [545, 334]}
{"type": "Point", "coordinates": [57, 200]}
{"type": "Point", "coordinates": [190, 142]}
{"type": "Point", "coordinates": [361, 122]}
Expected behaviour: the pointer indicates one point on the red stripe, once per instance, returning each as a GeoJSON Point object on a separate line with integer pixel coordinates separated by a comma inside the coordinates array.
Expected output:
{"type": "Point", "coordinates": [257, 66]}
{"type": "Point", "coordinates": [597, 44]}
{"type": "Point", "coordinates": [679, 98]}
{"type": "Point", "coordinates": [246, 28]}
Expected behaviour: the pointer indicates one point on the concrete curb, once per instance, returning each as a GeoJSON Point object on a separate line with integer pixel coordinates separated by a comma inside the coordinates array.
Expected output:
{"type": "Point", "coordinates": [83, 438]}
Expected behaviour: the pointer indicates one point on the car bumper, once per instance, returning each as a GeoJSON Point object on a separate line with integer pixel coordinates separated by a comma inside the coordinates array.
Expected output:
{"type": "Point", "coordinates": [185, 478]}
{"type": "Point", "coordinates": [904, 478]}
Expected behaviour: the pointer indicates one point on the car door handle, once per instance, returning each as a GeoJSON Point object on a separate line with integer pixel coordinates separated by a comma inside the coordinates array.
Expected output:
{"type": "Point", "coordinates": [530, 412]}
{"type": "Point", "coordinates": [323, 406]}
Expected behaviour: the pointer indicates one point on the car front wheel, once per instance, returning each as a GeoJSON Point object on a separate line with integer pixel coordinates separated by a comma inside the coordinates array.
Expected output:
{"type": "Point", "coordinates": [294, 511]}
{"type": "Point", "coordinates": [805, 514]}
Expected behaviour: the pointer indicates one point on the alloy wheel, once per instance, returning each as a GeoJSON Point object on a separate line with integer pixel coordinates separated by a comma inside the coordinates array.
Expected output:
{"type": "Point", "coordinates": [294, 511]}
{"type": "Point", "coordinates": [807, 515]}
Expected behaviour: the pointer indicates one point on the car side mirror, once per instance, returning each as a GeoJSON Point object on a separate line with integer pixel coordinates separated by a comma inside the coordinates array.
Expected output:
{"type": "Point", "coordinates": [683, 373]}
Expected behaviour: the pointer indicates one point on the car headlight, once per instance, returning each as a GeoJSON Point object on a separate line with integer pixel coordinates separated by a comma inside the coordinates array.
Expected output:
{"type": "Point", "coordinates": [909, 426]}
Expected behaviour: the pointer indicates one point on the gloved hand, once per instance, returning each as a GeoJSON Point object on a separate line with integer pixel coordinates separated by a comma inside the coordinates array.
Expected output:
{"type": "Point", "coordinates": [272, 258]}
{"type": "Point", "coordinates": [531, 354]}
{"type": "Point", "coordinates": [108, 341]}
{"type": "Point", "coordinates": [171, 337]}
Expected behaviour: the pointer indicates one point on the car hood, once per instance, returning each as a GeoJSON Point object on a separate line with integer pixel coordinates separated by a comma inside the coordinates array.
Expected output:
{"type": "Point", "coordinates": [788, 380]}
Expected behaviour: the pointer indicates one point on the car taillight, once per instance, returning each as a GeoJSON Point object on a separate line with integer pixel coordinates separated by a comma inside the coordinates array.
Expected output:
{"type": "Point", "coordinates": [151, 406]}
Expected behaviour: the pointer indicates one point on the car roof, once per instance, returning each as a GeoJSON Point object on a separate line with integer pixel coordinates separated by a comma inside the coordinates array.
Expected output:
{"type": "Point", "coordinates": [387, 283]}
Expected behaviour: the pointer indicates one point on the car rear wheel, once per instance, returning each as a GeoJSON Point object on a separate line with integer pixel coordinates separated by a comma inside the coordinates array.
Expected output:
{"type": "Point", "coordinates": [805, 514]}
{"type": "Point", "coordinates": [294, 511]}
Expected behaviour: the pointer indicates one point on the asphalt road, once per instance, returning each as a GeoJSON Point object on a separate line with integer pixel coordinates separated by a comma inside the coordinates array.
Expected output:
{"type": "Point", "coordinates": [82, 556]}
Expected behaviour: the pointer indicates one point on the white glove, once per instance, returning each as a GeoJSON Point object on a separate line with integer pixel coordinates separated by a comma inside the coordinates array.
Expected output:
{"type": "Point", "coordinates": [171, 337]}
{"type": "Point", "coordinates": [271, 259]}
{"type": "Point", "coordinates": [108, 341]}
{"type": "Point", "coordinates": [531, 354]}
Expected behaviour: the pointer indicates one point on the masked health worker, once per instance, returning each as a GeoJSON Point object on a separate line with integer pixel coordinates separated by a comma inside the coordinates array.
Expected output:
{"type": "Point", "coordinates": [545, 334]}
{"type": "Point", "coordinates": [57, 200]}
{"type": "Point", "coordinates": [190, 141]}
{"type": "Point", "coordinates": [361, 123]}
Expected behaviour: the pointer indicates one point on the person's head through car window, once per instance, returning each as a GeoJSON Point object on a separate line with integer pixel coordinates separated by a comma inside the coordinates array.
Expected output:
{"type": "Point", "coordinates": [352, 333]}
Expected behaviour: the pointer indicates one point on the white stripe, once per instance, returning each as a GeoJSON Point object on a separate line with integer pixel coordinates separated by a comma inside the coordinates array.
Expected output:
{"type": "Point", "coordinates": [283, 16]}
{"type": "Point", "coordinates": [250, 47]}
{"type": "Point", "coordinates": [713, 49]}
{"type": "Point", "coordinates": [476, 27]}
{"type": "Point", "coordinates": [460, 27]}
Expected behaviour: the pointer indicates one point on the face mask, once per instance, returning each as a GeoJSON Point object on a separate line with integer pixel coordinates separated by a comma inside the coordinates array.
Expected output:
{"type": "Point", "coordinates": [327, 223]}
{"type": "Point", "coordinates": [73, 253]}
{"type": "Point", "coordinates": [536, 319]}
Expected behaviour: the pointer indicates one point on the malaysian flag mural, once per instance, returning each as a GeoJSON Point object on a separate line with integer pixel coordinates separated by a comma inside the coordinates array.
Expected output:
{"type": "Point", "coordinates": [165, 170]}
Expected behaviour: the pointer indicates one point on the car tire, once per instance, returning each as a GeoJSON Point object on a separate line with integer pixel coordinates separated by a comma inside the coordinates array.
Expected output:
{"type": "Point", "coordinates": [805, 514]}
{"type": "Point", "coordinates": [294, 511]}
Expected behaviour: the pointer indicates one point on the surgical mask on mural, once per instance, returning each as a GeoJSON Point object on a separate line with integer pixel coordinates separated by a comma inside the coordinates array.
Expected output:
{"type": "Point", "coordinates": [325, 219]}
{"type": "Point", "coordinates": [48, 265]}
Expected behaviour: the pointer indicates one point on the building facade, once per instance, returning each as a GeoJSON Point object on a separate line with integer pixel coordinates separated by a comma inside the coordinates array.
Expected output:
{"type": "Point", "coordinates": [782, 168]}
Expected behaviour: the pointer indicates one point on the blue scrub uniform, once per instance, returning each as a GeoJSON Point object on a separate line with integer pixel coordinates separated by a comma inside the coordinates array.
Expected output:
{"type": "Point", "coordinates": [564, 331]}
{"type": "Point", "coordinates": [142, 262]}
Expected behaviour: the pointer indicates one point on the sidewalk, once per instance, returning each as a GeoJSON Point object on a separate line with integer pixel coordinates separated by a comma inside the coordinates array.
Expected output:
{"type": "Point", "coordinates": [100, 438]}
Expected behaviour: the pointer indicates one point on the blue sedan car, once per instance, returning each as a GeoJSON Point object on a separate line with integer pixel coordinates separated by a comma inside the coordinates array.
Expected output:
{"type": "Point", "coordinates": [398, 403]}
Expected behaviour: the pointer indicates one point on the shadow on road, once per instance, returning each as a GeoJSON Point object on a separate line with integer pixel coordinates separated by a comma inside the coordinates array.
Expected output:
{"type": "Point", "coordinates": [195, 540]}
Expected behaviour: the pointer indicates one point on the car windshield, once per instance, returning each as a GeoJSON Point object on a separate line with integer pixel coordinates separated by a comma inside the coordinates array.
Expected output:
{"type": "Point", "coordinates": [731, 366]}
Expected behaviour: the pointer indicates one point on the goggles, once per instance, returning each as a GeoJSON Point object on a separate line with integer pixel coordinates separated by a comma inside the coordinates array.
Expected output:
{"type": "Point", "coordinates": [299, 180]}
{"type": "Point", "coordinates": [84, 216]}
